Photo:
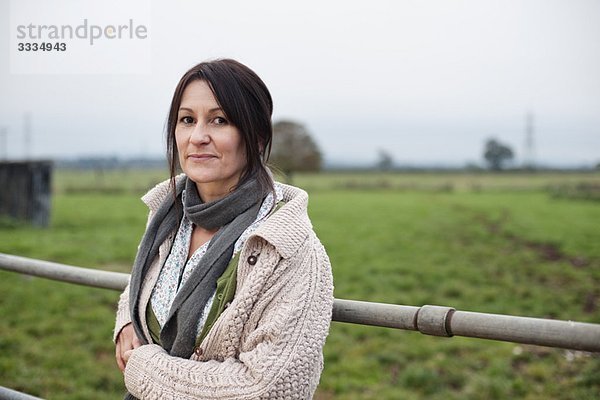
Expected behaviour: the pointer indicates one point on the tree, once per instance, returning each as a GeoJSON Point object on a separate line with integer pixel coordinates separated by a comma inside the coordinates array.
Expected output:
{"type": "Point", "coordinates": [496, 154]}
{"type": "Point", "coordinates": [385, 162]}
{"type": "Point", "coordinates": [293, 149]}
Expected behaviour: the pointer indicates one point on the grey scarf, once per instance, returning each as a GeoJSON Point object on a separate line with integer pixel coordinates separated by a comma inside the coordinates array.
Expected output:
{"type": "Point", "coordinates": [232, 214]}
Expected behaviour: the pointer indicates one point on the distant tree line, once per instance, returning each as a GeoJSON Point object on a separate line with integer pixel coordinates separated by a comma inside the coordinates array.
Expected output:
{"type": "Point", "coordinates": [294, 150]}
{"type": "Point", "coordinates": [111, 162]}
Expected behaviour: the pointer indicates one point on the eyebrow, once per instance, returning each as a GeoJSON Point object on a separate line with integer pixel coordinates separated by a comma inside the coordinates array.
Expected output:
{"type": "Point", "coordinates": [212, 110]}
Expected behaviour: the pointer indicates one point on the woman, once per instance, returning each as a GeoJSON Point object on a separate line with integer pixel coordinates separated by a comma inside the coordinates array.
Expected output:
{"type": "Point", "coordinates": [231, 292]}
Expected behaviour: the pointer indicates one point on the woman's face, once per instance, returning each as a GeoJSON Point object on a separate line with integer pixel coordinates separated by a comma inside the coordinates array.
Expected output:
{"type": "Point", "coordinates": [211, 150]}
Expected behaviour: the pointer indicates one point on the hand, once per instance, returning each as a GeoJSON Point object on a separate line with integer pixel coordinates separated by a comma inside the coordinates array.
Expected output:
{"type": "Point", "coordinates": [126, 356]}
{"type": "Point", "coordinates": [127, 341]}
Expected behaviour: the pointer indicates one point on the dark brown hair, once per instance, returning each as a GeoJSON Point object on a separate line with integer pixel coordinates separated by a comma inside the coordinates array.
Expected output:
{"type": "Point", "coordinates": [247, 104]}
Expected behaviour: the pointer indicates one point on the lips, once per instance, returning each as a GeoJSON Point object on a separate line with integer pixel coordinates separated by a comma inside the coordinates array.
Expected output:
{"type": "Point", "coordinates": [201, 157]}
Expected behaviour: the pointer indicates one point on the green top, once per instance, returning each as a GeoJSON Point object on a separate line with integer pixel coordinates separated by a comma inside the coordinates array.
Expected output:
{"type": "Point", "coordinates": [226, 285]}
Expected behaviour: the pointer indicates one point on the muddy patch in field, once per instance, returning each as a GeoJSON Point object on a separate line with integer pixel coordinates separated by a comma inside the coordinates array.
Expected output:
{"type": "Point", "coordinates": [547, 251]}
{"type": "Point", "coordinates": [590, 304]}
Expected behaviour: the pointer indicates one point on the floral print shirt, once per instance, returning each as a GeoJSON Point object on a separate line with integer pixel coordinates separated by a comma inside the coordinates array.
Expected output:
{"type": "Point", "coordinates": [167, 286]}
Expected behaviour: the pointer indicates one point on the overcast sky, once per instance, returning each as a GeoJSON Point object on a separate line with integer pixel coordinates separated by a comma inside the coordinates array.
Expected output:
{"type": "Point", "coordinates": [427, 81]}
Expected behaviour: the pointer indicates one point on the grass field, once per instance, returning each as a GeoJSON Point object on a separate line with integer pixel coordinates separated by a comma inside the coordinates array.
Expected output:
{"type": "Point", "coordinates": [512, 244]}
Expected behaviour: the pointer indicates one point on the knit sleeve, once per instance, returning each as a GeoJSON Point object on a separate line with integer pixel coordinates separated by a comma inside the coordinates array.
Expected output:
{"type": "Point", "coordinates": [277, 354]}
{"type": "Point", "coordinates": [123, 314]}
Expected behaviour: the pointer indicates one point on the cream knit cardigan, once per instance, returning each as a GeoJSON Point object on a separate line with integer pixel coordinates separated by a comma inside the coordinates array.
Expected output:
{"type": "Point", "coordinates": [268, 342]}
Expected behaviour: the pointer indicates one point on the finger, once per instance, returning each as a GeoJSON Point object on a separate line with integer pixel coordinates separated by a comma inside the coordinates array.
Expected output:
{"type": "Point", "coordinates": [121, 364]}
{"type": "Point", "coordinates": [126, 356]}
{"type": "Point", "coordinates": [118, 356]}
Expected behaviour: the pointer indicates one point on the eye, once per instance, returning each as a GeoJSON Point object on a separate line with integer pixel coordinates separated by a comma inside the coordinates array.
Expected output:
{"type": "Point", "coordinates": [187, 120]}
{"type": "Point", "coordinates": [220, 121]}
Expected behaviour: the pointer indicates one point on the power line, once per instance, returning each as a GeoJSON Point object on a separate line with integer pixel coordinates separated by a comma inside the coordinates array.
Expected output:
{"type": "Point", "coordinates": [27, 135]}
{"type": "Point", "coordinates": [3, 143]}
{"type": "Point", "coordinates": [528, 161]}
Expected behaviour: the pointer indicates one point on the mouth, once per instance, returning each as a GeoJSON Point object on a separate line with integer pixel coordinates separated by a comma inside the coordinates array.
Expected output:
{"type": "Point", "coordinates": [201, 156]}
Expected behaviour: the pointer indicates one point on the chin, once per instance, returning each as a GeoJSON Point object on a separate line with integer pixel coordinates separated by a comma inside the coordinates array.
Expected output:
{"type": "Point", "coordinates": [200, 178]}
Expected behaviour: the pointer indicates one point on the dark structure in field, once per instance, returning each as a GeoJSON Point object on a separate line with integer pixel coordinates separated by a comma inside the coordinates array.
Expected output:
{"type": "Point", "coordinates": [25, 191]}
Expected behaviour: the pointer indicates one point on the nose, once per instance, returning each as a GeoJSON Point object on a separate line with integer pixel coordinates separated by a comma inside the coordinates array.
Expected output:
{"type": "Point", "coordinates": [200, 134]}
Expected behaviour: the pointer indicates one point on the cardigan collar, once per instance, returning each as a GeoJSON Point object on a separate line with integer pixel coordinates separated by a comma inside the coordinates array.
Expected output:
{"type": "Point", "coordinates": [289, 226]}
{"type": "Point", "coordinates": [286, 229]}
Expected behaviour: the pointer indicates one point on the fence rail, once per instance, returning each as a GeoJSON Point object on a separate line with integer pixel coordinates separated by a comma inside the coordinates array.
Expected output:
{"type": "Point", "coordinates": [428, 319]}
{"type": "Point", "coordinates": [9, 394]}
